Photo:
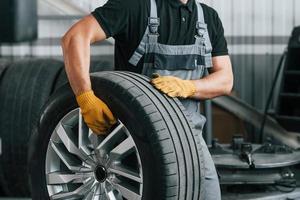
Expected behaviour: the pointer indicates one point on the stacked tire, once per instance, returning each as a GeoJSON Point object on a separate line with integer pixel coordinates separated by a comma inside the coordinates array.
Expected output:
{"type": "Point", "coordinates": [25, 86]}
{"type": "Point", "coordinates": [3, 66]}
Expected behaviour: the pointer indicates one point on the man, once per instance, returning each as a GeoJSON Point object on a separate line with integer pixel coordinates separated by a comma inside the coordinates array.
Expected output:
{"type": "Point", "coordinates": [172, 41]}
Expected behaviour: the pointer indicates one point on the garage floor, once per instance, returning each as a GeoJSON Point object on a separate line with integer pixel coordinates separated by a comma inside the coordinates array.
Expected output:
{"type": "Point", "coordinates": [13, 199]}
{"type": "Point", "coordinates": [295, 195]}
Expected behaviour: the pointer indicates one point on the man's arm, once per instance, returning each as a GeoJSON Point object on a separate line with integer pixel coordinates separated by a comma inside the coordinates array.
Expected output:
{"type": "Point", "coordinates": [76, 49]}
{"type": "Point", "coordinates": [219, 82]}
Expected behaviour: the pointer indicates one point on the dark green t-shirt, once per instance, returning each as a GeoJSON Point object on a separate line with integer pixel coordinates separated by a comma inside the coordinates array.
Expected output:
{"type": "Point", "coordinates": [126, 22]}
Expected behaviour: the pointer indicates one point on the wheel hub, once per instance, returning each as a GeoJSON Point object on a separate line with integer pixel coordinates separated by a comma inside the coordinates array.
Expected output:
{"type": "Point", "coordinates": [100, 173]}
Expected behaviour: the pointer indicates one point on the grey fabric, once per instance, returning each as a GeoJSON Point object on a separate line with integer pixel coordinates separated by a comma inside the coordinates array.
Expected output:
{"type": "Point", "coordinates": [183, 74]}
{"type": "Point", "coordinates": [187, 62]}
{"type": "Point", "coordinates": [138, 54]}
{"type": "Point", "coordinates": [210, 186]}
{"type": "Point", "coordinates": [152, 39]}
{"type": "Point", "coordinates": [202, 42]}
{"type": "Point", "coordinates": [203, 26]}
{"type": "Point", "coordinates": [176, 50]}
{"type": "Point", "coordinates": [208, 60]}
{"type": "Point", "coordinates": [153, 11]}
{"type": "Point", "coordinates": [200, 12]}
{"type": "Point", "coordinates": [176, 62]}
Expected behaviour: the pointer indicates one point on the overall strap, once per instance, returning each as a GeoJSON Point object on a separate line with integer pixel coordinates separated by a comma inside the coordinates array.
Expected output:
{"type": "Point", "coordinates": [150, 36]}
{"type": "Point", "coordinates": [153, 23]}
{"type": "Point", "coordinates": [201, 27]}
{"type": "Point", "coordinates": [200, 12]}
{"type": "Point", "coordinates": [153, 9]}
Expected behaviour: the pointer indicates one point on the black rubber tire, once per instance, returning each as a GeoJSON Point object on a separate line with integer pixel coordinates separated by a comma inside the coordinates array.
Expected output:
{"type": "Point", "coordinates": [3, 65]}
{"type": "Point", "coordinates": [169, 146]}
{"type": "Point", "coordinates": [95, 66]}
{"type": "Point", "coordinates": [24, 88]}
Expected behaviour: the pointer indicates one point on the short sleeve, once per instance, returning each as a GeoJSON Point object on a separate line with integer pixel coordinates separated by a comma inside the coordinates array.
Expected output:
{"type": "Point", "coordinates": [219, 43]}
{"type": "Point", "coordinates": [112, 17]}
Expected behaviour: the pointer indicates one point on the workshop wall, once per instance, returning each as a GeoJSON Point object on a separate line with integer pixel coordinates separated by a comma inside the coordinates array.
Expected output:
{"type": "Point", "coordinates": [257, 33]}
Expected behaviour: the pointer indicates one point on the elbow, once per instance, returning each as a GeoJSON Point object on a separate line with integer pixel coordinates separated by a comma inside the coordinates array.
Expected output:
{"type": "Point", "coordinates": [65, 42]}
{"type": "Point", "coordinates": [72, 40]}
{"type": "Point", "coordinates": [69, 43]}
{"type": "Point", "coordinates": [228, 86]}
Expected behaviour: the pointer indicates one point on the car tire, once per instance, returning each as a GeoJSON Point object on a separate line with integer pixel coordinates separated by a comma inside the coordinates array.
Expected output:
{"type": "Point", "coordinates": [95, 66]}
{"type": "Point", "coordinates": [165, 142]}
{"type": "Point", "coordinates": [3, 65]}
{"type": "Point", "coordinates": [24, 88]}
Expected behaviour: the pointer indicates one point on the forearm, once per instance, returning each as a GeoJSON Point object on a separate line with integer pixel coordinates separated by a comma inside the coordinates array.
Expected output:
{"type": "Point", "coordinates": [216, 84]}
{"type": "Point", "coordinates": [77, 60]}
{"type": "Point", "coordinates": [76, 49]}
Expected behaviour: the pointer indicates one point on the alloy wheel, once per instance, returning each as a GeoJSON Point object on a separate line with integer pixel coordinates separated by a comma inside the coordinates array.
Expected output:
{"type": "Point", "coordinates": [82, 165]}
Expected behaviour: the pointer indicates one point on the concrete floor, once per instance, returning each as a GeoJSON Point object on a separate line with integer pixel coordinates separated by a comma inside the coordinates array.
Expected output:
{"type": "Point", "coordinates": [295, 195]}
{"type": "Point", "coordinates": [13, 198]}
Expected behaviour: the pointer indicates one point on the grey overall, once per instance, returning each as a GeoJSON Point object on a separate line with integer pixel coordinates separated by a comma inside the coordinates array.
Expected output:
{"type": "Point", "coordinates": [187, 62]}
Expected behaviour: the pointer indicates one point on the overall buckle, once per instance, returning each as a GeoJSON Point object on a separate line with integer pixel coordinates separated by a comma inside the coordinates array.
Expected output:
{"type": "Point", "coordinates": [153, 24]}
{"type": "Point", "coordinates": [201, 29]}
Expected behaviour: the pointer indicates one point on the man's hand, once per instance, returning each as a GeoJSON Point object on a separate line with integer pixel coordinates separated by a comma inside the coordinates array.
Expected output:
{"type": "Point", "coordinates": [95, 113]}
{"type": "Point", "coordinates": [174, 87]}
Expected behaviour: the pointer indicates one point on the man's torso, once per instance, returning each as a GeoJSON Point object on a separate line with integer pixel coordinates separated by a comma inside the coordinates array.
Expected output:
{"type": "Point", "coordinates": [177, 26]}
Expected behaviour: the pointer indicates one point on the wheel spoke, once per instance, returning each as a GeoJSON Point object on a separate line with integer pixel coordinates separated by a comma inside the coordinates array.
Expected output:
{"type": "Point", "coordinates": [91, 194]}
{"type": "Point", "coordinates": [95, 141]}
{"type": "Point", "coordinates": [83, 136]}
{"type": "Point", "coordinates": [108, 143]}
{"type": "Point", "coordinates": [111, 195]}
{"type": "Point", "coordinates": [99, 193]}
{"type": "Point", "coordinates": [70, 141]}
{"type": "Point", "coordinates": [69, 160]}
{"type": "Point", "coordinates": [126, 172]}
{"type": "Point", "coordinates": [128, 191]}
{"type": "Point", "coordinates": [55, 178]}
{"type": "Point", "coordinates": [78, 193]}
{"type": "Point", "coordinates": [100, 197]}
{"type": "Point", "coordinates": [122, 150]}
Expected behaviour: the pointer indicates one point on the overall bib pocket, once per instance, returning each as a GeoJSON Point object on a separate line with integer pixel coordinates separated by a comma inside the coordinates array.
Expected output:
{"type": "Point", "coordinates": [176, 62]}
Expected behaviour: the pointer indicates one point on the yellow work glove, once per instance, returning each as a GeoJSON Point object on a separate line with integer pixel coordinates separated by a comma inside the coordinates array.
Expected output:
{"type": "Point", "coordinates": [95, 113]}
{"type": "Point", "coordinates": [173, 86]}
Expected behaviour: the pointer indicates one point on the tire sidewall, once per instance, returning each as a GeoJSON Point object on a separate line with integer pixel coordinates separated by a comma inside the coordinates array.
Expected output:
{"type": "Point", "coordinates": [63, 102]}
{"type": "Point", "coordinates": [141, 130]}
